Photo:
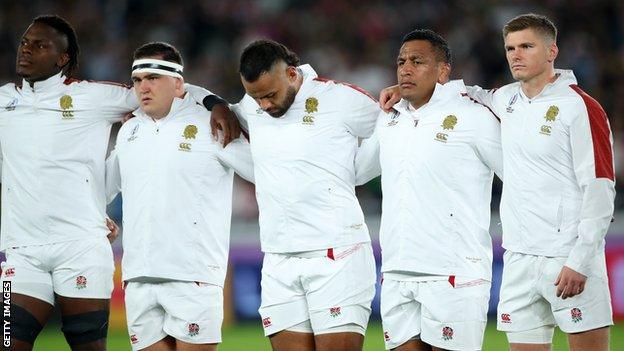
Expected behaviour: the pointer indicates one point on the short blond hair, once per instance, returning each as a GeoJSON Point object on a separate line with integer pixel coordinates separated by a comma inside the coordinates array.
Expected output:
{"type": "Point", "coordinates": [539, 23]}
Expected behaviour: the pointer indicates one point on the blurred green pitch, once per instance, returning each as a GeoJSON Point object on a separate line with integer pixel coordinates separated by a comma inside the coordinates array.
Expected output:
{"type": "Point", "coordinates": [249, 337]}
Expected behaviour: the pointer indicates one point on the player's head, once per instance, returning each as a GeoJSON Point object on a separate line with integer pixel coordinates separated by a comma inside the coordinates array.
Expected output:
{"type": "Point", "coordinates": [530, 46]}
{"type": "Point", "coordinates": [157, 77]}
{"type": "Point", "coordinates": [423, 61]}
{"type": "Point", "coordinates": [48, 47]}
{"type": "Point", "coordinates": [269, 74]}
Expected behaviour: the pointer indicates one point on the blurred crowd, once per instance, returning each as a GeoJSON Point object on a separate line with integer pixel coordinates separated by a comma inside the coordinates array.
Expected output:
{"type": "Point", "coordinates": [354, 41]}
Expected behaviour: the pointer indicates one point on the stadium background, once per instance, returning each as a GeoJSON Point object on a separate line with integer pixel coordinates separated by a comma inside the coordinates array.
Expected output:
{"type": "Point", "coordinates": [354, 41]}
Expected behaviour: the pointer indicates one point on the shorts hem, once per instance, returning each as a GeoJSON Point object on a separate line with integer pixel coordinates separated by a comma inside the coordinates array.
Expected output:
{"type": "Point", "coordinates": [144, 344]}
{"type": "Point", "coordinates": [587, 328]}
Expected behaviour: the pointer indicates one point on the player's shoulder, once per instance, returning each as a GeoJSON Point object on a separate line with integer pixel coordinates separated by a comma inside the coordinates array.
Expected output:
{"type": "Point", "coordinates": [8, 90]}
{"type": "Point", "coordinates": [94, 86]}
{"type": "Point", "coordinates": [507, 90]}
{"type": "Point", "coordinates": [473, 112]}
{"type": "Point", "coordinates": [340, 90]}
{"type": "Point", "coordinates": [582, 100]}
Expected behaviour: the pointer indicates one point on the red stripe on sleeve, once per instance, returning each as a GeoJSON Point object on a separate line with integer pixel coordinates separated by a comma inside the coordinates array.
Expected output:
{"type": "Point", "coordinates": [599, 125]}
{"type": "Point", "coordinates": [352, 86]}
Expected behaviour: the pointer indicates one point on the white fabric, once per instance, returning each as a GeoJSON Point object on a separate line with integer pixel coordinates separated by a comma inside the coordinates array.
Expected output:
{"type": "Point", "coordinates": [187, 311]}
{"type": "Point", "coordinates": [541, 335]}
{"type": "Point", "coordinates": [528, 297]}
{"type": "Point", "coordinates": [448, 317]}
{"type": "Point", "coordinates": [53, 158]}
{"type": "Point", "coordinates": [79, 269]}
{"type": "Point", "coordinates": [554, 202]}
{"type": "Point", "coordinates": [176, 183]}
{"type": "Point", "coordinates": [436, 184]}
{"type": "Point", "coordinates": [328, 292]}
{"type": "Point", "coordinates": [304, 166]}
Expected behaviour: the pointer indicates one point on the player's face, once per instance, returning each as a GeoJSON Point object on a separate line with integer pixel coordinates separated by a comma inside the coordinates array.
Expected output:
{"type": "Point", "coordinates": [529, 54]}
{"type": "Point", "coordinates": [418, 71]}
{"type": "Point", "coordinates": [275, 90]}
{"type": "Point", "coordinates": [156, 92]}
{"type": "Point", "coordinates": [41, 53]}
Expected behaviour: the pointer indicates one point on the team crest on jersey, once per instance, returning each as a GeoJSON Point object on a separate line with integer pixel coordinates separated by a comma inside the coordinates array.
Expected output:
{"type": "Point", "coordinates": [67, 104]}
{"type": "Point", "coordinates": [551, 114]}
{"type": "Point", "coordinates": [193, 329]}
{"type": "Point", "coordinates": [311, 105]}
{"type": "Point", "coordinates": [81, 282]}
{"type": "Point", "coordinates": [190, 132]}
{"type": "Point", "coordinates": [447, 333]}
{"type": "Point", "coordinates": [511, 102]}
{"type": "Point", "coordinates": [11, 105]}
{"type": "Point", "coordinates": [449, 122]}
{"type": "Point", "coordinates": [576, 315]}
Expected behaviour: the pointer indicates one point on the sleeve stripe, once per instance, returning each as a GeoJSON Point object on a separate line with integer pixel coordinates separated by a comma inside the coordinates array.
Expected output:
{"type": "Point", "coordinates": [352, 86]}
{"type": "Point", "coordinates": [600, 132]}
{"type": "Point", "coordinates": [477, 102]}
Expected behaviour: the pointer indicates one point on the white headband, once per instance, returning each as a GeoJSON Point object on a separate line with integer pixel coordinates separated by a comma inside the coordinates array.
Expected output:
{"type": "Point", "coordinates": [162, 67]}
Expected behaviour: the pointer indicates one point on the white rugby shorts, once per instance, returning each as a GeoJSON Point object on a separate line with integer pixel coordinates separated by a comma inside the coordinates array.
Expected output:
{"type": "Point", "coordinates": [77, 269]}
{"type": "Point", "coordinates": [330, 288]}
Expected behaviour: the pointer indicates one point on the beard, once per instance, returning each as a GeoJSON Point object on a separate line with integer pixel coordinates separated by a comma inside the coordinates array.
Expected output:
{"type": "Point", "coordinates": [279, 111]}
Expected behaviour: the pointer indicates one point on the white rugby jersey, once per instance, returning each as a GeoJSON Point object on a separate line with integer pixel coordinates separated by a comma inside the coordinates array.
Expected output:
{"type": "Point", "coordinates": [304, 165]}
{"type": "Point", "coordinates": [437, 165]}
{"type": "Point", "coordinates": [176, 185]}
{"type": "Point", "coordinates": [54, 137]}
{"type": "Point", "coordinates": [559, 185]}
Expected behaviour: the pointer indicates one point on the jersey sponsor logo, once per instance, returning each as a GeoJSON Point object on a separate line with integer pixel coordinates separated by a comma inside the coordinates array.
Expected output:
{"type": "Point", "coordinates": [442, 137]}
{"type": "Point", "coordinates": [133, 133]}
{"type": "Point", "coordinates": [449, 122]}
{"type": "Point", "coordinates": [190, 132]}
{"type": "Point", "coordinates": [311, 105]}
{"type": "Point", "coordinates": [11, 105]}
{"type": "Point", "coordinates": [394, 118]}
{"type": "Point", "coordinates": [551, 114]}
{"type": "Point", "coordinates": [447, 333]}
{"type": "Point", "coordinates": [511, 102]}
{"type": "Point", "coordinates": [309, 120]}
{"type": "Point", "coordinates": [576, 315]}
{"type": "Point", "coordinates": [546, 130]}
{"type": "Point", "coordinates": [335, 312]}
{"type": "Point", "coordinates": [9, 272]}
{"type": "Point", "coordinates": [193, 329]}
{"type": "Point", "coordinates": [386, 336]}
{"type": "Point", "coordinates": [134, 339]}
{"type": "Point", "coordinates": [81, 282]}
{"type": "Point", "coordinates": [67, 104]}
{"type": "Point", "coordinates": [266, 322]}
{"type": "Point", "coordinates": [185, 147]}
{"type": "Point", "coordinates": [505, 318]}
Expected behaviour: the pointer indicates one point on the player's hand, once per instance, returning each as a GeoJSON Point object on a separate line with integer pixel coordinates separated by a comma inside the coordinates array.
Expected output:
{"type": "Point", "coordinates": [569, 283]}
{"type": "Point", "coordinates": [114, 230]}
{"type": "Point", "coordinates": [224, 119]}
{"type": "Point", "coordinates": [389, 97]}
{"type": "Point", "coordinates": [127, 117]}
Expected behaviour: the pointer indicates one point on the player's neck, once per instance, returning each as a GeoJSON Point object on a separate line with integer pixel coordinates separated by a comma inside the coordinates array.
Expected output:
{"type": "Point", "coordinates": [534, 86]}
{"type": "Point", "coordinates": [32, 81]}
{"type": "Point", "coordinates": [299, 80]}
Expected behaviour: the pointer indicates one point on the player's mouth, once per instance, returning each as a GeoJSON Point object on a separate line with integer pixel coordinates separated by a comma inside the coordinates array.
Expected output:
{"type": "Point", "coordinates": [406, 85]}
{"type": "Point", "coordinates": [23, 62]}
{"type": "Point", "coordinates": [517, 67]}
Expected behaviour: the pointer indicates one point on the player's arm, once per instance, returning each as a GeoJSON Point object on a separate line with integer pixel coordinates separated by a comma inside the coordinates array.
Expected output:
{"type": "Point", "coordinates": [361, 116]}
{"type": "Point", "coordinates": [113, 177]}
{"type": "Point", "coordinates": [488, 141]}
{"type": "Point", "coordinates": [222, 116]}
{"type": "Point", "coordinates": [592, 158]}
{"type": "Point", "coordinates": [237, 155]}
{"type": "Point", "coordinates": [367, 165]}
{"type": "Point", "coordinates": [482, 96]}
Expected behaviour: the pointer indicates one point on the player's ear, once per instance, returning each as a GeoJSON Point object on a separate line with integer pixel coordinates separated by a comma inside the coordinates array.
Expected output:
{"type": "Point", "coordinates": [444, 72]}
